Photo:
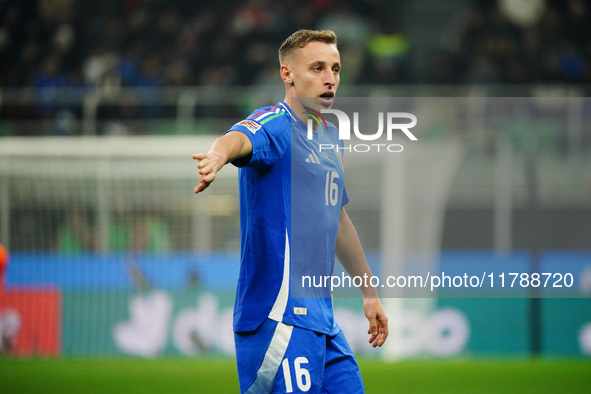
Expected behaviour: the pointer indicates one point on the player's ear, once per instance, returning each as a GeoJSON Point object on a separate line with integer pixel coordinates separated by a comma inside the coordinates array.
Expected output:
{"type": "Point", "coordinates": [286, 74]}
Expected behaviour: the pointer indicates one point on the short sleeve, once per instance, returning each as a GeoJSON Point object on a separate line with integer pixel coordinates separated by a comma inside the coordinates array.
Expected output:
{"type": "Point", "coordinates": [345, 197]}
{"type": "Point", "coordinates": [270, 139]}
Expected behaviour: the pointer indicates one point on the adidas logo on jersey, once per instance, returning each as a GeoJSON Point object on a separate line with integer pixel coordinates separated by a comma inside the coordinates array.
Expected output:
{"type": "Point", "coordinates": [313, 158]}
{"type": "Point", "coordinates": [300, 311]}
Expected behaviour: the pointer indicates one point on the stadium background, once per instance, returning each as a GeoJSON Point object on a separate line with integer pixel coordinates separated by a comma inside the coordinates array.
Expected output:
{"type": "Point", "coordinates": [102, 104]}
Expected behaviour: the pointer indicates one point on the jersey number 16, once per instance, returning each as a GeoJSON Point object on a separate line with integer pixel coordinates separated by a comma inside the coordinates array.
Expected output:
{"type": "Point", "coordinates": [331, 189]}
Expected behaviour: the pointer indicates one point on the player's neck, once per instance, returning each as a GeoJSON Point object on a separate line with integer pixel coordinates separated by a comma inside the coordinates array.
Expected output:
{"type": "Point", "coordinates": [297, 108]}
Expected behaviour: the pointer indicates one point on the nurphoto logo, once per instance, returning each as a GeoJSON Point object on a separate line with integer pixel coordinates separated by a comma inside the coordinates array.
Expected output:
{"type": "Point", "coordinates": [392, 124]}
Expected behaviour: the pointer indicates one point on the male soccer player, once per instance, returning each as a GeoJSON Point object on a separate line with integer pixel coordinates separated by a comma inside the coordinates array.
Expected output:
{"type": "Point", "coordinates": [293, 222]}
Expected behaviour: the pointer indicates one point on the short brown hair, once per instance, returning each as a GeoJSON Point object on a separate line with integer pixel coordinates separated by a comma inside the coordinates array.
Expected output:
{"type": "Point", "coordinates": [301, 38]}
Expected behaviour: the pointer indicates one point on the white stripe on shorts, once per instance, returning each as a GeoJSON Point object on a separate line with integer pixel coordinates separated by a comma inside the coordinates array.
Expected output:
{"type": "Point", "coordinates": [272, 360]}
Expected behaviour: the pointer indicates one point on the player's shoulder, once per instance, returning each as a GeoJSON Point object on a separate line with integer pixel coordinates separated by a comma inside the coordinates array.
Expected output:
{"type": "Point", "coordinates": [266, 114]}
{"type": "Point", "coordinates": [272, 119]}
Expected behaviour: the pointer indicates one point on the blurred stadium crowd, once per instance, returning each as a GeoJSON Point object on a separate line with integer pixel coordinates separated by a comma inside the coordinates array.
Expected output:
{"type": "Point", "coordinates": [51, 44]}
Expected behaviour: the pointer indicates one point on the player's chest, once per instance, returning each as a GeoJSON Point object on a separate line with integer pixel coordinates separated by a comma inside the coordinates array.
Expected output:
{"type": "Point", "coordinates": [317, 164]}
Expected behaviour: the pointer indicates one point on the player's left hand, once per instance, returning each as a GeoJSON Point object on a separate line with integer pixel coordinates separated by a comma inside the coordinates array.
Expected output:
{"type": "Point", "coordinates": [378, 322]}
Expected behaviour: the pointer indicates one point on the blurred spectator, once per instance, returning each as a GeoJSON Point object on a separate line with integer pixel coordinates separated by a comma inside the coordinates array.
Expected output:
{"type": "Point", "coordinates": [137, 232]}
{"type": "Point", "coordinates": [525, 42]}
{"type": "Point", "coordinates": [151, 44]}
{"type": "Point", "coordinates": [129, 64]}
{"type": "Point", "coordinates": [256, 58]}
{"type": "Point", "coordinates": [193, 280]}
{"type": "Point", "coordinates": [151, 234]}
{"type": "Point", "coordinates": [128, 231]}
{"type": "Point", "coordinates": [578, 28]}
{"type": "Point", "coordinates": [99, 65]}
{"type": "Point", "coordinates": [570, 61]}
{"type": "Point", "coordinates": [524, 13]}
{"type": "Point", "coordinates": [120, 228]}
{"type": "Point", "coordinates": [122, 118]}
{"type": "Point", "coordinates": [74, 234]}
{"type": "Point", "coordinates": [354, 32]}
{"type": "Point", "coordinates": [249, 17]}
{"type": "Point", "coordinates": [388, 54]}
{"type": "Point", "coordinates": [48, 84]}
{"type": "Point", "coordinates": [149, 84]}
{"type": "Point", "coordinates": [178, 73]}
{"type": "Point", "coordinates": [504, 41]}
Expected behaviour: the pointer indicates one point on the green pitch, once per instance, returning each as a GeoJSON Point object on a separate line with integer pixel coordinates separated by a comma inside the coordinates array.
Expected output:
{"type": "Point", "coordinates": [82, 376]}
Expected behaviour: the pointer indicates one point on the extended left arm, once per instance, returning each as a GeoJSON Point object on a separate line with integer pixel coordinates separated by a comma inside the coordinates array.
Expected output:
{"type": "Point", "coordinates": [350, 253]}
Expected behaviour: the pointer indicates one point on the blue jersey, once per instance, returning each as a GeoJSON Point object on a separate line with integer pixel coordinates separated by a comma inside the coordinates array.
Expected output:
{"type": "Point", "coordinates": [291, 195]}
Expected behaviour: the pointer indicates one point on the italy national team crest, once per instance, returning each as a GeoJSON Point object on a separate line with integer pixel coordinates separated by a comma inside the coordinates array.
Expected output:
{"type": "Point", "coordinates": [340, 158]}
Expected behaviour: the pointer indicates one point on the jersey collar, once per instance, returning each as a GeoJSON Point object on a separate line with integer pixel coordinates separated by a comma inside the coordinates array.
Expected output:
{"type": "Point", "coordinates": [286, 108]}
{"type": "Point", "coordinates": [297, 121]}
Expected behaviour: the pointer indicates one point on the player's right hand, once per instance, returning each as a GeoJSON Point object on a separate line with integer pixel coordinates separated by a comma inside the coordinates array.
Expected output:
{"type": "Point", "coordinates": [208, 166]}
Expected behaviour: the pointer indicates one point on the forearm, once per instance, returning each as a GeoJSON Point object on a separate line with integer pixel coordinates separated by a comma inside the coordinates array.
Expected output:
{"type": "Point", "coordinates": [231, 146]}
{"type": "Point", "coordinates": [350, 253]}
{"type": "Point", "coordinates": [225, 149]}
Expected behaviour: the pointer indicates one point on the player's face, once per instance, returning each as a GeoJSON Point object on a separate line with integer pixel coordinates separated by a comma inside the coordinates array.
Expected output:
{"type": "Point", "coordinates": [316, 73]}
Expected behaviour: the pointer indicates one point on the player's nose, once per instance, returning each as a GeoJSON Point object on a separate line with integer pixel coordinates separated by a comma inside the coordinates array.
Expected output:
{"type": "Point", "coordinates": [330, 79]}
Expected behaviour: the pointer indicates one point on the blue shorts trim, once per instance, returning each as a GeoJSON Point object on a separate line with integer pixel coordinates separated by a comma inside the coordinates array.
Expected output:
{"type": "Point", "coordinates": [280, 358]}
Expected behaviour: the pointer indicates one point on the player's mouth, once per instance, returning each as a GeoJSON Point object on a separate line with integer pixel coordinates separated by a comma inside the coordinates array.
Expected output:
{"type": "Point", "coordinates": [327, 98]}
